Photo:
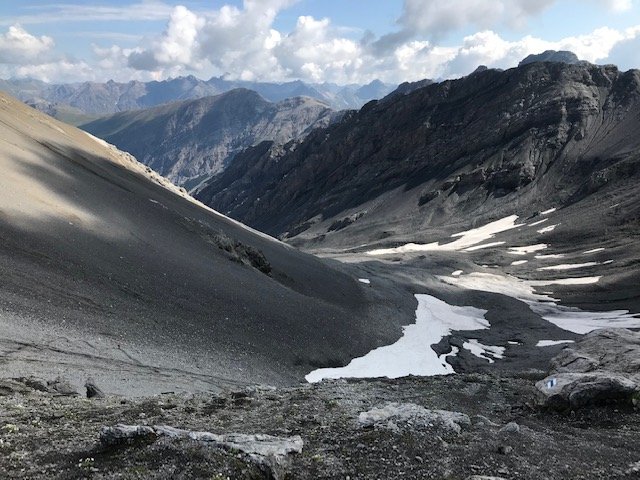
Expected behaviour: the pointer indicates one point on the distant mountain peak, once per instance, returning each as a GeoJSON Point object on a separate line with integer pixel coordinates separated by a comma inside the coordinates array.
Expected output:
{"type": "Point", "coordinates": [561, 56]}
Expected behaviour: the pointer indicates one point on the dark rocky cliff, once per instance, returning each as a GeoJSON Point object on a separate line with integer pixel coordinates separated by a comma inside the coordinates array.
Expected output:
{"type": "Point", "coordinates": [467, 148]}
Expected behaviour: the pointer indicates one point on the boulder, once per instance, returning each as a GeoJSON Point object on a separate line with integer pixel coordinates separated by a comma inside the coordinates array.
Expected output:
{"type": "Point", "coordinates": [409, 413]}
{"type": "Point", "coordinates": [603, 366]}
{"type": "Point", "coordinates": [93, 391]}
{"type": "Point", "coordinates": [62, 386]}
{"type": "Point", "coordinates": [575, 390]}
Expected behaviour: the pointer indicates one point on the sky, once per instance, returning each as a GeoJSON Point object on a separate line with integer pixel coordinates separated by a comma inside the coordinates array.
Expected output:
{"type": "Point", "coordinates": [338, 41]}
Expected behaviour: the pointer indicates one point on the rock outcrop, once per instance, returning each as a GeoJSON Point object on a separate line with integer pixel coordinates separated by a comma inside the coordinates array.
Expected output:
{"type": "Point", "coordinates": [393, 413]}
{"type": "Point", "coordinates": [268, 452]}
{"type": "Point", "coordinates": [604, 366]}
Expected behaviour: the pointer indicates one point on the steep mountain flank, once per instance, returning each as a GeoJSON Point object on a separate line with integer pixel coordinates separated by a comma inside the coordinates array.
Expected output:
{"type": "Point", "coordinates": [110, 271]}
{"type": "Point", "coordinates": [539, 134]}
{"type": "Point", "coordinates": [190, 140]}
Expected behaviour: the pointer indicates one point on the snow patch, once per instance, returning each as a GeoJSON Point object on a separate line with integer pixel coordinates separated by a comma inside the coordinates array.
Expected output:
{"type": "Point", "coordinates": [519, 262]}
{"type": "Point", "coordinates": [569, 266]}
{"type": "Point", "coordinates": [550, 228]}
{"type": "Point", "coordinates": [549, 343]}
{"type": "Point", "coordinates": [457, 273]}
{"type": "Point", "coordinates": [467, 239]}
{"type": "Point", "coordinates": [555, 255]}
{"type": "Point", "coordinates": [486, 352]}
{"type": "Point", "coordinates": [571, 319]}
{"type": "Point", "coordinates": [365, 281]}
{"type": "Point", "coordinates": [547, 212]}
{"type": "Point", "coordinates": [527, 249]}
{"type": "Point", "coordinates": [539, 222]}
{"type": "Point", "coordinates": [484, 245]}
{"type": "Point", "coordinates": [412, 353]}
{"type": "Point", "coordinates": [595, 250]}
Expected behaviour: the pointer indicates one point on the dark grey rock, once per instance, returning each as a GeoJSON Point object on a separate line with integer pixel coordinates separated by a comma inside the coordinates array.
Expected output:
{"type": "Point", "coordinates": [575, 390]}
{"type": "Point", "coordinates": [602, 366]}
{"type": "Point", "coordinates": [62, 386]}
{"type": "Point", "coordinates": [36, 383]}
{"type": "Point", "coordinates": [93, 391]}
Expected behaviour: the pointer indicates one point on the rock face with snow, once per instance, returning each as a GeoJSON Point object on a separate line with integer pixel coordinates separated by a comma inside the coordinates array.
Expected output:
{"type": "Point", "coordinates": [190, 140]}
{"type": "Point", "coordinates": [460, 154]}
{"type": "Point", "coordinates": [603, 366]}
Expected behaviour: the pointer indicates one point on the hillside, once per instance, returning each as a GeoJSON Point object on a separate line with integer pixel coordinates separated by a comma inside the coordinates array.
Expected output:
{"type": "Point", "coordinates": [109, 270]}
{"type": "Point", "coordinates": [191, 140]}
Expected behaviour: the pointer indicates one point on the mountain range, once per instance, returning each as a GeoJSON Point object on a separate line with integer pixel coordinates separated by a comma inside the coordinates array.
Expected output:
{"type": "Point", "coordinates": [189, 141]}
{"type": "Point", "coordinates": [93, 99]}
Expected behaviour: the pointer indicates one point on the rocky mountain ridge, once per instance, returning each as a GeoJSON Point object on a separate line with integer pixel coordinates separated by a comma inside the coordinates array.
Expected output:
{"type": "Point", "coordinates": [544, 131]}
{"type": "Point", "coordinates": [191, 140]}
{"type": "Point", "coordinates": [96, 99]}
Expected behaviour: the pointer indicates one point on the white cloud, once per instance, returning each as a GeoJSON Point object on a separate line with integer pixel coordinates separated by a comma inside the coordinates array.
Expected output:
{"type": "Point", "coordinates": [435, 17]}
{"type": "Point", "coordinates": [242, 43]}
{"type": "Point", "coordinates": [176, 47]}
{"type": "Point", "coordinates": [17, 46]}
{"type": "Point", "coordinates": [147, 10]}
{"type": "Point", "coordinates": [619, 5]}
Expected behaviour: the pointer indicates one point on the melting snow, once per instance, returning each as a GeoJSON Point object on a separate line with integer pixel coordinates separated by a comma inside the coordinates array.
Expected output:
{"type": "Point", "coordinates": [519, 262]}
{"type": "Point", "coordinates": [364, 280]}
{"type": "Point", "coordinates": [457, 273]}
{"type": "Point", "coordinates": [539, 222]}
{"type": "Point", "coordinates": [484, 245]}
{"type": "Point", "coordinates": [549, 343]}
{"type": "Point", "coordinates": [467, 239]}
{"type": "Point", "coordinates": [542, 257]}
{"type": "Point", "coordinates": [486, 352]}
{"type": "Point", "coordinates": [569, 266]}
{"type": "Point", "coordinates": [527, 249]}
{"type": "Point", "coordinates": [412, 354]}
{"type": "Point", "coordinates": [547, 212]}
{"type": "Point", "coordinates": [568, 318]}
{"type": "Point", "coordinates": [595, 250]}
{"type": "Point", "coordinates": [550, 228]}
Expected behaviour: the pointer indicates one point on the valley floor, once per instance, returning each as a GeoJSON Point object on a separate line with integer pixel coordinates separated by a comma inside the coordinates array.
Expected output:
{"type": "Point", "coordinates": [46, 436]}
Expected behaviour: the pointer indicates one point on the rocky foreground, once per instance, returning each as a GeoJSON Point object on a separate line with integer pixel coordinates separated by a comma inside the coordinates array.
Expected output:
{"type": "Point", "coordinates": [470, 426]}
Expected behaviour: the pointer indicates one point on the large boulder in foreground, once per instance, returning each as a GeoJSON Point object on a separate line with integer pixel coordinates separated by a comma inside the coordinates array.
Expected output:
{"type": "Point", "coordinates": [603, 366]}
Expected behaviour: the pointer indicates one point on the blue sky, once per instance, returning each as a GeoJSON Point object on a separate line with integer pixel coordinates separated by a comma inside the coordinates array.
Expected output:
{"type": "Point", "coordinates": [342, 41]}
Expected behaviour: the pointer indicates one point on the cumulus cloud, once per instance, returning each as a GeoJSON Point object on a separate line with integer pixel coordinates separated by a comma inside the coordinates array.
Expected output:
{"type": "Point", "coordinates": [17, 46]}
{"type": "Point", "coordinates": [241, 42]}
{"type": "Point", "coordinates": [177, 46]}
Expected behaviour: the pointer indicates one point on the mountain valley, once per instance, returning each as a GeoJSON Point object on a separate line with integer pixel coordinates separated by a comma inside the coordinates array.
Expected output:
{"type": "Point", "coordinates": [442, 284]}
